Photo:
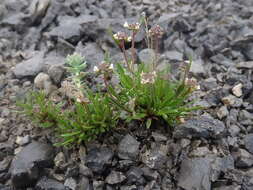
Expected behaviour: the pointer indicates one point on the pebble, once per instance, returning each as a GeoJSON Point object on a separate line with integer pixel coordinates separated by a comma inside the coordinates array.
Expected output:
{"type": "Point", "coordinates": [237, 90]}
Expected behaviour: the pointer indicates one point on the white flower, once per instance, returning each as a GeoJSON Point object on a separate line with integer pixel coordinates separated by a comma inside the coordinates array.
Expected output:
{"type": "Point", "coordinates": [148, 78]}
{"type": "Point", "coordinates": [95, 69]}
{"type": "Point", "coordinates": [129, 39]}
{"type": "Point", "coordinates": [126, 25]}
{"type": "Point", "coordinates": [111, 66]}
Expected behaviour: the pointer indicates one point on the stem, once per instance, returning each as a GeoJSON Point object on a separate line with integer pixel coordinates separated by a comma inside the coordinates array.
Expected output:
{"type": "Point", "coordinates": [132, 49]}
{"type": "Point", "coordinates": [156, 51]}
{"type": "Point", "coordinates": [125, 57]}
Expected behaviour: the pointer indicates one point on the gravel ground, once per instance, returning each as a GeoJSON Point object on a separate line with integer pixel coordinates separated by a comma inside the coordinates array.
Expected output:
{"type": "Point", "coordinates": [213, 150]}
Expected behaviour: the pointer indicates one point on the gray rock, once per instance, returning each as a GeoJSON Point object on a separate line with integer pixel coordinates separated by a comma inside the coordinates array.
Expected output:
{"type": "Point", "coordinates": [181, 25]}
{"type": "Point", "coordinates": [222, 112]}
{"type": "Point", "coordinates": [98, 185]}
{"type": "Point", "coordinates": [159, 137]}
{"type": "Point", "coordinates": [248, 141]}
{"type": "Point", "coordinates": [174, 55]}
{"type": "Point", "coordinates": [197, 67]}
{"type": "Point", "coordinates": [115, 178]}
{"type": "Point", "coordinates": [43, 82]}
{"type": "Point", "coordinates": [195, 174]}
{"type": "Point", "coordinates": [243, 159]}
{"type": "Point", "coordinates": [23, 140]}
{"type": "Point", "coordinates": [156, 157]}
{"type": "Point", "coordinates": [56, 72]}
{"type": "Point", "coordinates": [146, 56]}
{"type": "Point", "coordinates": [128, 148]}
{"type": "Point", "coordinates": [30, 67]}
{"type": "Point", "coordinates": [204, 127]}
{"type": "Point", "coordinates": [230, 187]}
{"type": "Point", "coordinates": [150, 174]}
{"type": "Point", "coordinates": [49, 184]}
{"type": "Point", "coordinates": [99, 159]}
{"type": "Point", "coordinates": [25, 167]}
{"type": "Point", "coordinates": [125, 187]}
{"type": "Point", "coordinates": [70, 183]}
{"type": "Point", "coordinates": [135, 176]}
{"type": "Point", "coordinates": [245, 65]}
{"type": "Point", "coordinates": [84, 184]}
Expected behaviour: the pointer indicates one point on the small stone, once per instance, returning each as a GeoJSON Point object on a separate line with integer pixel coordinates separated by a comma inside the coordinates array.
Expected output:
{"type": "Point", "coordinates": [146, 56]}
{"type": "Point", "coordinates": [200, 152]}
{"type": "Point", "coordinates": [248, 141]}
{"type": "Point", "coordinates": [222, 112]}
{"type": "Point", "coordinates": [43, 82]}
{"type": "Point", "coordinates": [56, 73]}
{"type": "Point", "coordinates": [237, 90]}
{"type": "Point", "coordinates": [115, 178]}
{"type": "Point", "coordinates": [99, 159]}
{"type": "Point", "coordinates": [197, 67]}
{"type": "Point", "coordinates": [84, 184]}
{"type": "Point", "coordinates": [159, 137]}
{"type": "Point", "coordinates": [98, 185]}
{"type": "Point", "coordinates": [70, 183]}
{"type": "Point", "coordinates": [243, 159]}
{"type": "Point", "coordinates": [245, 65]}
{"type": "Point", "coordinates": [135, 176]}
{"type": "Point", "coordinates": [59, 160]}
{"type": "Point", "coordinates": [128, 148]}
{"type": "Point", "coordinates": [45, 184]}
{"type": "Point", "coordinates": [231, 100]}
{"type": "Point", "coordinates": [23, 140]}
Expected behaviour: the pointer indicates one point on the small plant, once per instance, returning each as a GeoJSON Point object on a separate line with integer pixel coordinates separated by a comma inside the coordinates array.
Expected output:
{"type": "Point", "coordinates": [144, 93]}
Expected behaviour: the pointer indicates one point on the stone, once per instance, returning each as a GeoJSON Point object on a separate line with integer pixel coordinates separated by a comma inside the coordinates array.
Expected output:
{"type": "Point", "coordinates": [128, 148]}
{"type": "Point", "coordinates": [27, 164]}
{"type": "Point", "coordinates": [248, 141]}
{"type": "Point", "coordinates": [23, 140]}
{"type": "Point", "coordinates": [56, 72]}
{"type": "Point", "coordinates": [49, 184]}
{"type": "Point", "coordinates": [243, 159]}
{"type": "Point", "coordinates": [159, 137]}
{"type": "Point", "coordinates": [115, 178]}
{"type": "Point", "coordinates": [30, 67]}
{"type": "Point", "coordinates": [237, 90]}
{"type": "Point", "coordinates": [156, 157]}
{"type": "Point", "coordinates": [99, 159]}
{"type": "Point", "coordinates": [98, 185]}
{"type": "Point", "coordinates": [146, 56]}
{"type": "Point", "coordinates": [135, 176]}
{"type": "Point", "coordinates": [70, 183]}
{"type": "Point", "coordinates": [231, 100]}
{"type": "Point", "coordinates": [59, 160]}
{"type": "Point", "coordinates": [174, 55]}
{"type": "Point", "coordinates": [222, 112]}
{"type": "Point", "coordinates": [43, 82]}
{"type": "Point", "coordinates": [245, 65]}
{"type": "Point", "coordinates": [84, 184]}
{"type": "Point", "coordinates": [37, 10]}
{"type": "Point", "coordinates": [203, 127]}
{"type": "Point", "coordinates": [181, 25]}
{"type": "Point", "coordinates": [150, 174]}
{"type": "Point", "coordinates": [195, 174]}
{"type": "Point", "coordinates": [197, 67]}
{"type": "Point", "coordinates": [125, 187]}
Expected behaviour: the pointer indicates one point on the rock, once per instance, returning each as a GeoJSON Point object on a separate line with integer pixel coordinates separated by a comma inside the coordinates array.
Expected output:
{"type": "Point", "coordinates": [222, 112]}
{"type": "Point", "coordinates": [56, 72]}
{"type": "Point", "coordinates": [99, 159]}
{"type": "Point", "coordinates": [248, 141]}
{"type": "Point", "coordinates": [43, 82]}
{"type": "Point", "coordinates": [23, 140]}
{"type": "Point", "coordinates": [231, 100]}
{"type": "Point", "coordinates": [146, 56]}
{"type": "Point", "coordinates": [150, 174]}
{"type": "Point", "coordinates": [4, 164]}
{"type": "Point", "coordinates": [237, 90]}
{"type": "Point", "coordinates": [98, 185]}
{"type": "Point", "coordinates": [135, 176]}
{"type": "Point", "coordinates": [174, 55]}
{"type": "Point", "coordinates": [181, 25]}
{"type": "Point", "coordinates": [195, 174]}
{"type": "Point", "coordinates": [115, 178]}
{"type": "Point", "coordinates": [197, 67]}
{"type": "Point", "coordinates": [156, 157]}
{"type": "Point", "coordinates": [84, 184]}
{"type": "Point", "coordinates": [245, 65]}
{"type": "Point", "coordinates": [37, 10]}
{"type": "Point", "coordinates": [204, 127]}
{"type": "Point", "coordinates": [30, 67]}
{"type": "Point", "coordinates": [159, 137]}
{"type": "Point", "coordinates": [243, 159]}
{"type": "Point", "coordinates": [230, 187]}
{"type": "Point", "coordinates": [125, 187]}
{"type": "Point", "coordinates": [49, 184]}
{"type": "Point", "coordinates": [128, 148]}
{"type": "Point", "coordinates": [27, 164]}
{"type": "Point", "coordinates": [70, 183]}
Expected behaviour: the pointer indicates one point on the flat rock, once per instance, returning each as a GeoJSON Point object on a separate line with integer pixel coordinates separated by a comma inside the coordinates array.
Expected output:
{"type": "Point", "coordinates": [197, 67]}
{"type": "Point", "coordinates": [115, 178]}
{"type": "Point", "coordinates": [30, 67]}
{"type": "Point", "coordinates": [204, 127]}
{"type": "Point", "coordinates": [49, 184]}
{"type": "Point", "coordinates": [245, 65]}
{"type": "Point", "coordinates": [195, 174]}
{"type": "Point", "coordinates": [128, 148]}
{"type": "Point", "coordinates": [26, 165]}
{"type": "Point", "coordinates": [248, 141]}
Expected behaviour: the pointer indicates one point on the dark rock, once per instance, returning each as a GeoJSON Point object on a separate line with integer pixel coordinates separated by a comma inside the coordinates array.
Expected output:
{"type": "Point", "coordinates": [243, 159]}
{"type": "Point", "coordinates": [115, 178]}
{"type": "Point", "coordinates": [181, 25]}
{"type": "Point", "coordinates": [49, 184]}
{"type": "Point", "coordinates": [159, 137]}
{"type": "Point", "coordinates": [150, 174]}
{"type": "Point", "coordinates": [135, 176]}
{"type": "Point", "coordinates": [174, 55]}
{"type": "Point", "coordinates": [99, 159]}
{"type": "Point", "coordinates": [30, 67]}
{"type": "Point", "coordinates": [195, 174]}
{"type": "Point", "coordinates": [98, 185]}
{"type": "Point", "coordinates": [25, 167]}
{"type": "Point", "coordinates": [248, 141]}
{"type": "Point", "coordinates": [84, 184]}
{"type": "Point", "coordinates": [203, 127]}
{"type": "Point", "coordinates": [128, 148]}
{"type": "Point", "coordinates": [71, 183]}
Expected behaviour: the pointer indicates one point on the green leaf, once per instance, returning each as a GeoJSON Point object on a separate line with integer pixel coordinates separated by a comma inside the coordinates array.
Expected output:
{"type": "Point", "coordinates": [148, 123]}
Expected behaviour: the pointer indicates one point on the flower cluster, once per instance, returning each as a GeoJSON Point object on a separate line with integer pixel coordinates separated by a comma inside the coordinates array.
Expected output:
{"type": "Point", "coordinates": [103, 67]}
{"type": "Point", "coordinates": [148, 78]}
{"type": "Point", "coordinates": [156, 31]}
{"type": "Point", "coordinates": [122, 36]}
{"type": "Point", "coordinates": [134, 26]}
{"type": "Point", "coordinates": [192, 83]}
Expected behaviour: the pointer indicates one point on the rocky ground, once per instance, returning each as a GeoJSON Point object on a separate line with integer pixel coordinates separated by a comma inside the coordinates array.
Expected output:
{"type": "Point", "coordinates": [213, 150]}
